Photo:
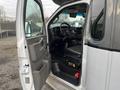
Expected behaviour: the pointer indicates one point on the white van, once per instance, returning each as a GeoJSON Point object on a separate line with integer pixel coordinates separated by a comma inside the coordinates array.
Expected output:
{"type": "Point", "coordinates": [78, 48]}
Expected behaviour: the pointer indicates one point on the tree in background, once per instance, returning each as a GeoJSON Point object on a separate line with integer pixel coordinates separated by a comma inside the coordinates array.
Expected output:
{"type": "Point", "coordinates": [2, 14]}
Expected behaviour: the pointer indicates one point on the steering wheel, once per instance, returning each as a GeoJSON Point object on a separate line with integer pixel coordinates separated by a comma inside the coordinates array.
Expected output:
{"type": "Point", "coordinates": [62, 31]}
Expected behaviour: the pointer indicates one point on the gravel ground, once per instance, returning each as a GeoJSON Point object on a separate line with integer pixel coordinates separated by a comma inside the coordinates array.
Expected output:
{"type": "Point", "coordinates": [9, 76]}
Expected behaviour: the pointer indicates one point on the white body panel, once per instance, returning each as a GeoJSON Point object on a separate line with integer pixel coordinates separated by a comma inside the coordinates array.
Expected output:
{"type": "Point", "coordinates": [22, 55]}
{"type": "Point", "coordinates": [114, 82]}
{"type": "Point", "coordinates": [97, 68]}
{"type": "Point", "coordinates": [102, 69]}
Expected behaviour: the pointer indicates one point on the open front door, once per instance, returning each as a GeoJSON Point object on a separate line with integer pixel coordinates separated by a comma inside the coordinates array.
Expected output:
{"type": "Point", "coordinates": [31, 41]}
{"type": "Point", "coordinates": [66, 29]}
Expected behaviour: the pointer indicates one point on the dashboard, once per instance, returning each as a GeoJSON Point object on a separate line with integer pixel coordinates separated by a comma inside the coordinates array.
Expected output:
{"type": "Point", "coordinates": [64, 31]}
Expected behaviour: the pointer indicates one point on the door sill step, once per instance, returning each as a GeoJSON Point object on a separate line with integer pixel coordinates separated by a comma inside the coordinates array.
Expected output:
{"type": "Point", "coordinates": [47, 87]}
{"type": "Point", "coordinates": [56, 84]}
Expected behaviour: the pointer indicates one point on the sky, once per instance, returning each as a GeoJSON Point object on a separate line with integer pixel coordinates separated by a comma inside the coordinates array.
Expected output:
{"type": "Point", "coordinates": [10, 7]}
{"type": "Point", "coordinates": [49, 7]}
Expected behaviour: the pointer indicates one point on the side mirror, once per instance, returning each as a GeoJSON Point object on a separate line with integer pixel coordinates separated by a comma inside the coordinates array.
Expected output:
{"type": "Point", "coordinates": [28, 31]}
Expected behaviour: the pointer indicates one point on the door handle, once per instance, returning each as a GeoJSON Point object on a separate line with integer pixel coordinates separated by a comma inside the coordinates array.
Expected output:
{"type": "Point", "coordinates": [46, 45]}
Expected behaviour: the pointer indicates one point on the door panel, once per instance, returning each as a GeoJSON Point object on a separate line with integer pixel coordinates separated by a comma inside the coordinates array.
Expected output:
{"type": "Point", "coordinates": [35, 43]}
{"type": "Point", "coordinates": [40, 76]}
{"type": "Point", "coordinates": [37, 52]}
{"type": "Point", "coordinates": [39, 61]}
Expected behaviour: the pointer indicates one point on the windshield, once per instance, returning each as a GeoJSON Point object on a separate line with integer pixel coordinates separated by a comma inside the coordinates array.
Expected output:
{"type": "Point", "coordinates": [74, 16]}
{"type": "Point", "coordinates": [78, 21]}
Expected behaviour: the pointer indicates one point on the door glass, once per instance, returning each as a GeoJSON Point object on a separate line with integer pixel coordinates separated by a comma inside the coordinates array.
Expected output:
{"type": "Point", "coordinates": [33, 19]}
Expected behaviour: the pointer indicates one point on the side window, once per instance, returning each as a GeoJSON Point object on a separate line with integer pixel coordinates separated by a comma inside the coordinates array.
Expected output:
{"type": "Point", "coordinates": [99, 34]}
{"type": "Point", "coordinates": [33, 19]}
{"type": "Point", "coordinates": [97, 30]}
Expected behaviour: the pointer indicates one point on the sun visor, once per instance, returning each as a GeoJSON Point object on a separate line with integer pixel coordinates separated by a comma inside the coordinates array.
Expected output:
{"type": "Point", "coordinates": [60, 2]}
